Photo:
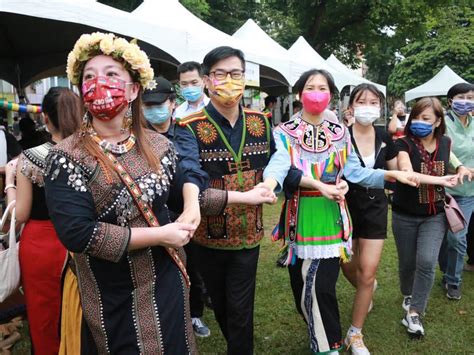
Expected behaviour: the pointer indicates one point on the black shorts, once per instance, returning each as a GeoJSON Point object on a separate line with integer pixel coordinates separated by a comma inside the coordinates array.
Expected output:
{"type": "Point", "coordinates": [368, 209]}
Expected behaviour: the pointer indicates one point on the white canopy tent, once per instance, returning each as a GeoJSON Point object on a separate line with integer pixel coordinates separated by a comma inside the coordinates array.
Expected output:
{"type": "Point", "coordinates": [436, 86]}
{"type": "Point", "coordinates": [308, 58]}
{"type": "Point", "coordinates": [350, 77]}
{"type": "Point", "coordinates": [264, 47]}
{"type": "Point", "coordinates": [37, 35]}
{"type": "Point", "coordinates": [200, 37]}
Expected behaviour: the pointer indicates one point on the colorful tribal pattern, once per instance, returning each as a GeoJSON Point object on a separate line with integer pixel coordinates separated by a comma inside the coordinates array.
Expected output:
{"type": "Point", "coordinates": [320, 152]}
{"type": "Point", "coordinates": [207, 132]}
{"type": "Point", "coordinates": [255, 126]}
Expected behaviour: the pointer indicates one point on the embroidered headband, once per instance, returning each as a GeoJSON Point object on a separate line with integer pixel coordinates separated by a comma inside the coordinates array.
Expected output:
{"type": "Point", "coordinates": [97, 43]}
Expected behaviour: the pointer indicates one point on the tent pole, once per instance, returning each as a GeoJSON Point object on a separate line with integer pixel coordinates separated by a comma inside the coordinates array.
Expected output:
{"type": "Point", "coordinates": [290, 102]}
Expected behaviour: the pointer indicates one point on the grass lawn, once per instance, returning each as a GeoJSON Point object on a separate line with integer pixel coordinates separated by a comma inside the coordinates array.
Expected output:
{"type": "Point", "coordinates": [279, 329]}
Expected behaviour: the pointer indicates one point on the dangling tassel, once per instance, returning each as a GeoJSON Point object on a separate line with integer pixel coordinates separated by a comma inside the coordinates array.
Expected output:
{"type": "Point", "coordinates": [276, 233]}
{"type": "Point", "coordinates": [345, 252]}
{"type": "Point", "coordinates": [127, 119]}
{"type": "Point", "coordinates": [346, 226]}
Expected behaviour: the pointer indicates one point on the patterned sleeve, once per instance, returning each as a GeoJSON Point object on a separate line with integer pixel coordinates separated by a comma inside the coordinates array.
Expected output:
{"type": "Point", "coordinates": [30, 170]}
{"type": "Point", "coordinates": [213, 202]}
{"type": "Point", "coordinates": [72, 211]}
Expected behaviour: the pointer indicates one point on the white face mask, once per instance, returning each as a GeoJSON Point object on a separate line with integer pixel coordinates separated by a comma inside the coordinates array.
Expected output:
{"type": "Point", "coordinates": [366, 115]}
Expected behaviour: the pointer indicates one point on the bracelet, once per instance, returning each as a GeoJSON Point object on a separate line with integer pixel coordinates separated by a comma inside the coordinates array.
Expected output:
{"type": "Point", "coordinates": [9, 186]}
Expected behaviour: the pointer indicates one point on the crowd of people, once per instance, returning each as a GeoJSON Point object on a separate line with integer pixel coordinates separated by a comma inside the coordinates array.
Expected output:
{"type": "Point", "coordinates": [138, 211]}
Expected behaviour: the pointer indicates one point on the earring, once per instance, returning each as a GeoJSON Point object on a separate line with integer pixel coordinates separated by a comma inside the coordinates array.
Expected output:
{"type": "Point", "coordinates": [86, 127]}
{"type": "Point", "coordinates": [127, 119]}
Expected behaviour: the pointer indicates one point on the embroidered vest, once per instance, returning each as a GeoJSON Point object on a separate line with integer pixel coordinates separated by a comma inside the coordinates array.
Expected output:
{"type": "Point", "coordinates": [240, 226]}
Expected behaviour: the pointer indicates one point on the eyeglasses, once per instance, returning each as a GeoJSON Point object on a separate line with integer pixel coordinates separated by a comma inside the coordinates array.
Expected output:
{"type": "Point", "coordinates": [222, 74]}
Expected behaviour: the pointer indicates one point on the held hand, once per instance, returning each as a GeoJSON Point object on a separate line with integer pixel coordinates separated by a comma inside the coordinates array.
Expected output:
{"type": "Point", "coordinates": [260, 194]}
{"type": "Point", "coordinates": [449, 180]}
{"type": "Point", "coordinates": [176, 234]}
{"type": "Point", "coordinates": [407, 178]}
{"type": "Point", "coordinates": [343, 187]}
{"type": "Point", "coordinates": [191, 215]}
{"type": "Point", "coordinates": [463, 172]}
{"type": "Point", "coordinates": [332, 192]}
{"type": "Point", "coordinates": [10, 171]}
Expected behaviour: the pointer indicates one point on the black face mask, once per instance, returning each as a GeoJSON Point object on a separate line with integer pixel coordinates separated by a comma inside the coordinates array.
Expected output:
{"type": "Point", "coordinates": [401, 117]}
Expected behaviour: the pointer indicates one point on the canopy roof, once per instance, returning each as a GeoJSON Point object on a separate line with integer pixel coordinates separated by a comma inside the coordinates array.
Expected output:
{"type": "Point", "coordinates": [37, 36]}
{"type": "Point", "coordinates": [200, 38]}
{"type": "Point", "coordinates": [308, 58]}
{"type": "Point", "coordinates": [264, 48]}
{"type": "Point", "coordinates": [436, 86]}
{"type": "Point", "coordinates": [350, 77]}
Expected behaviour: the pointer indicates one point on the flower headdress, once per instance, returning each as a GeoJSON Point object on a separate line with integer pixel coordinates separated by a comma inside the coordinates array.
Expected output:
{"type": "Point", "coordinates": [90, 45]}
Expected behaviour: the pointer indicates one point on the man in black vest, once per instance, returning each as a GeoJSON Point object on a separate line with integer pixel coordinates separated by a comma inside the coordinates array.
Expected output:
{"type": "Point", "coordinates": [228, 146]}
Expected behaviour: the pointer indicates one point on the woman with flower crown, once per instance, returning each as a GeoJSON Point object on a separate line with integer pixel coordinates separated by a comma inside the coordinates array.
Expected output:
{"type": "Point", "coordinates": [109, 190]}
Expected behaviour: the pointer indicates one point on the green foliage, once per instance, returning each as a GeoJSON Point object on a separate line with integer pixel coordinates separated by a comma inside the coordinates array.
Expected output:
{"type": "Point", "coordinates": [448, 41]}
{"type": "Point", "coordinates": [380, 30]}
{"type": "Point", "coordinates": [200, 8]}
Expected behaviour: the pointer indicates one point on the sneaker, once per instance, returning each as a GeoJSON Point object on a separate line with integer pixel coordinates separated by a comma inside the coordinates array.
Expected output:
{"type": "Point", "coordinates": [412, 322]}
{"type": "Point", "coordinates": [468, 267]}
{"type": "Point", "coordinates": [355, 344]}
{"type": "Point", "coordinates": [200, 329]}
{"type": "Point", "coordinates": [454, 292]}
{"type": "Point", "coordinates": [406, 303]}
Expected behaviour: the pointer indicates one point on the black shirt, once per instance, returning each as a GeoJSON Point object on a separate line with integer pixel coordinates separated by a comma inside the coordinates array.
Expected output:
{"type": "Point", "coordinates": [385, 150]}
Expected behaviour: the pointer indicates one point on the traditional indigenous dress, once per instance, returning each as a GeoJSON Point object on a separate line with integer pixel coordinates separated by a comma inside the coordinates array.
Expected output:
{"type": "Point", "coordinates": [42, 259]}
{"type": "Point", "coordinates": [134, 302]}
{"type": "Point", "coordinates": [317, 230]}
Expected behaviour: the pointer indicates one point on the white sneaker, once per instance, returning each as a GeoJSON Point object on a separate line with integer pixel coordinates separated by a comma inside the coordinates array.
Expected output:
{"type": "Point", "coordinates": [412, 322]}
{"type": "Point", "coordinates": [355, 344]}
{"type": "Point", "coordinates": [406, 303]}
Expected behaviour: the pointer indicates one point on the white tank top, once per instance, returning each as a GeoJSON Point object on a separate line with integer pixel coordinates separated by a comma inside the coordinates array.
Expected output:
{"type": "Point", "coordinates": [369, 161]}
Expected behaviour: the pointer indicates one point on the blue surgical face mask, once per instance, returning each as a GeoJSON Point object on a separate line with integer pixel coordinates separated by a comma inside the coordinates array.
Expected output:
{"type": "Point", "coordinates": [421, 129]}
{"type": "Point", "coordinates": [191, 93]}
{"type": "Point", "coordinates": [462, 107]}
{"type": "Point", "coordinates": [157, 114]}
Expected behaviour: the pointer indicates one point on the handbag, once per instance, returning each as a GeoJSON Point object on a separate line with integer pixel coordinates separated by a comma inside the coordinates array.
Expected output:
{"type": "Point", "coordinates": [9, 262]}
{"type": "Point", "coordinates": [456, 220]}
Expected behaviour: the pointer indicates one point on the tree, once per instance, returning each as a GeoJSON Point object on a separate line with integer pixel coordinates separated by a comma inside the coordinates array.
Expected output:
{"type": "Point", "coordinates": [448, 41]}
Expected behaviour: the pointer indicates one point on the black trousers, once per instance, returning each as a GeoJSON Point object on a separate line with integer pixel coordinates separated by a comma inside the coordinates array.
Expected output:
{"type": "Point", "coordinates": [229, 276]}
{"type": "Point", "coordinates": [313, 283]}
{"type": "Point", "coordinates": [470, 242]}
{"type": "Point", "coordinates": [196, 291]}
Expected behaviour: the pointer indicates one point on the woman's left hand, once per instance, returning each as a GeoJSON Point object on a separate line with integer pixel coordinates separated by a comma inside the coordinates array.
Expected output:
{"type": "Point", "coordinates": [406, 177]}
{"type": "Point", "coordinates": [10, 171]}
{"type": "Point", "coordinates": [448, 180]}
{"type": "Point", "coordinates": [191, 215]}
{"type": "Point", "coordinates": [463, 172]}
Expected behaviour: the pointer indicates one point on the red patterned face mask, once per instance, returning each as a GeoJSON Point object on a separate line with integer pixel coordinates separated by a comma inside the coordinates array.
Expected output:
{"type": "Point", "coordinates": [104, 97]}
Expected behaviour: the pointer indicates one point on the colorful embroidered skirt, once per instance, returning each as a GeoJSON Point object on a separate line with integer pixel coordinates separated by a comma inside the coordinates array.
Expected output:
{"type": "Point", "coordinates": [319, 229]}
